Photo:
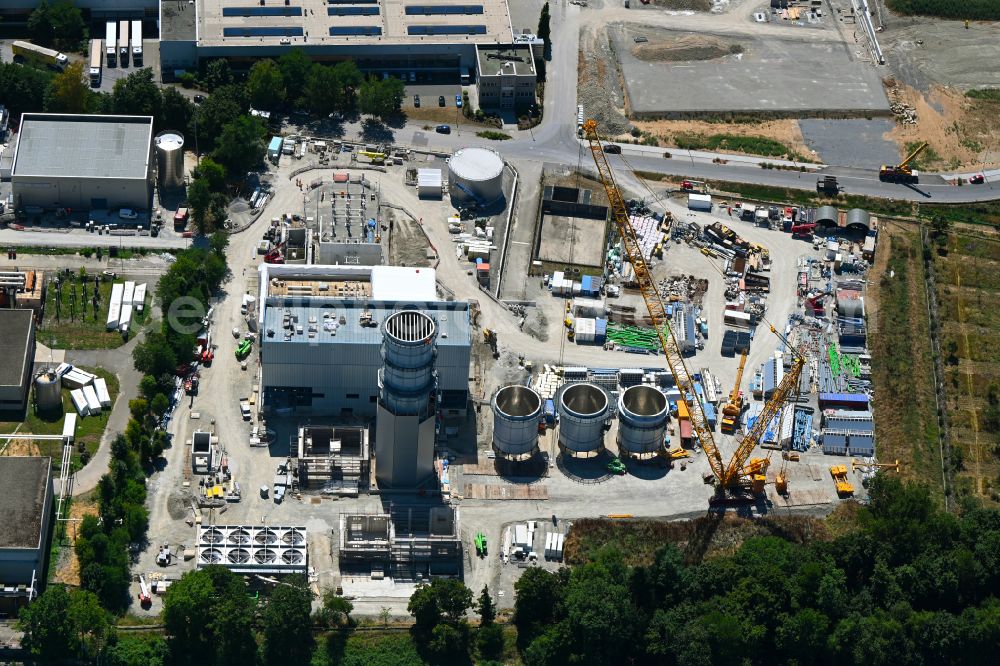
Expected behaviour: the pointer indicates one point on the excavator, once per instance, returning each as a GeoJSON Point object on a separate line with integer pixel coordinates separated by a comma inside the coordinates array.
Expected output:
{"type": "Point", "coordinates": [733, 479]}
{"type": "Point", "coordinates": [902, 173]}
{"type": "Point", "coordinates": [731, 410]}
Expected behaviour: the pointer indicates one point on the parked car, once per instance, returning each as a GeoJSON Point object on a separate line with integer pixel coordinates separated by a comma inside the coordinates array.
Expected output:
{"type": "Point", "coordinates": [441, 101]}
{"type": "Point", "coordinates": [612, 149]}
{"type": "Point", "coordinates": [443, 129]}
{"type": "Point", "coordinates": [128, 214]}
{"type": "Point", "coordinates": [458, 101]}
{"type": "Point", "coordinates": [416, 101]}
{"type": "Point", "coordinates": [198, 99]}
{"type": "Point", "coordinates": [978, 179]}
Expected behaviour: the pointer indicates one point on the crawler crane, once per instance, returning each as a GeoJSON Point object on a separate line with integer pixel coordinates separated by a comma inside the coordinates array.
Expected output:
{"type": "Point", "coordinates": [741, 473]}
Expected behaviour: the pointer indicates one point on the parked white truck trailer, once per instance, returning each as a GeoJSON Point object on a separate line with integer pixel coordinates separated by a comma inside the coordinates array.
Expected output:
{"type": "Point", "coordinates": [111, 43]}
{"type": "Point", "coordinates": [123, 44]}
{"type": "Point", "coordinates": [137, 43]}
{"type": "Point", "coordinates": [96, 62]}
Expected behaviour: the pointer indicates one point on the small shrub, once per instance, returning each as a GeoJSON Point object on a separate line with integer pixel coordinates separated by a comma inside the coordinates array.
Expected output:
{"type": "Point", "coordinates": [493, 135]}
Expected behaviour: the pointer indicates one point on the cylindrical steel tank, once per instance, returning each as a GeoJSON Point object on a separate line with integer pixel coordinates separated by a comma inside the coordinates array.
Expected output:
{"type": "Point", "coordinates": [476, 176]}
{"type": "Point", "coordinates": [859, 217]}
{"type": "Point", "coordinates": [642, 420]}
{"type": "Point", "coordinates": [583, 410]}
{"type": "Point", "coordinates": [170, 159]}
{"type": "Point", "coordinates": [516, 413]}
{"type": "Point", "coordinates": [48, 391]}
{"type": "Point", "coordinates": [408, 352]}
{"type": "Point", "coordinates": [826, 216]}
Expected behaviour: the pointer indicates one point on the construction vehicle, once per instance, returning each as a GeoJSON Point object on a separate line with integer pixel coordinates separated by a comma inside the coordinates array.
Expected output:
{"type": "Point", "coordinates": [839, 474]}
{"type": "Point", "coordinates": [855, 464]}
{"type": "Point", "coordinates": [490, 338]}
{"type": "Point", "coordinates": [741, 473]}
{"type": "Point", "coordinates": [678, 453]}
{"type": "Point", "coordinates": [694, 186]}
{"type": "Point", "coordinates": [828, 185]}
{"type": "Point", "coordinates": [902, 173]}
{"type": "Point", "coordinates": [616, 466]}
{"type": "Point", "coordinates": [731, 410]}
{"type": "Point", "coordinates": [244, 349]}
{"type": "Point", "coordinates": [275, 254]}
{"type": "Point", "coordinates": [376, 158]}
{"type": "Point", "coordinates": [803, 230]}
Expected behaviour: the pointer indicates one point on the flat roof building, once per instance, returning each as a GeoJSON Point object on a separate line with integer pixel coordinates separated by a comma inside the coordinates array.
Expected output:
{"type": "Point", "coordinates": [25, 529]}
{"type": "Point", "coordinates": [17, 349]}
{"type": "Point", "coordinates": [394, 36]}
{"type": "Point", "coordinates": [83, 161]}
{"type": "Point", "coordinates": [506, 77]}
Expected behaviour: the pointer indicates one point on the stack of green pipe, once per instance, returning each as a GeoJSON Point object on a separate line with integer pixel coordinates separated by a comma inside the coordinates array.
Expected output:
{"type": "Point", "coordinates": [634, 336]}
{"type": "Point", "coordinates": [852, 365]}
{"type": "Point", "coordinates": [834, 360]}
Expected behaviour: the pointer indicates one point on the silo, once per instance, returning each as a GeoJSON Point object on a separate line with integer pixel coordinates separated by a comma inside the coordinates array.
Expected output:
{"type": "Point", "coordinates": [48, 391]}
{"type": "Point", "coordinates": [859, 218]}
{"type": "Point", "coordinates": [826, 216]}
{"type": "Point", "coordinates": [476, 176]}
{"type": "Point", "coordinates": [516, 413]}
{"type": "Point", "coordinates": [169, 159]}
{"type": "Point", "coordinates": [404, 433]}
{"type": "Point", "coordinates": [642, 421]}
{"type": "Point", "coordinates": [583, 410]}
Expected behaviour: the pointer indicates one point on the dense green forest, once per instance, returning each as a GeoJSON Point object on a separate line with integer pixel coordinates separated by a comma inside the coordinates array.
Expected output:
{"type": "Point", "coordinates": [901, 582]}
{"type": "Point", "coordinates": [973, 10]}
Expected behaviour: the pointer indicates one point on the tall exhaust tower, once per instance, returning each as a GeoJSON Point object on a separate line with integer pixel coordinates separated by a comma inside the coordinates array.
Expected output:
{"type": "Point", "coordinates": [404, 438]}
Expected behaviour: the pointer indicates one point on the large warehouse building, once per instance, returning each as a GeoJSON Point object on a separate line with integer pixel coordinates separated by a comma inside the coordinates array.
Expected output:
{"type": "Point", "coordinates": [322, 339]}
{"type": "Point", "coordinates": [17, 349]}
{"type": "Point", "coordinates": [25, 529]}
{"type": "Point", "coordinates": [83, 162]}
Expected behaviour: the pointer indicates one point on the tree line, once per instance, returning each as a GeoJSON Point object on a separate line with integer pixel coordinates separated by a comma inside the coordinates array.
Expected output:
{"type": "Point", "coordinates": [972, 10]}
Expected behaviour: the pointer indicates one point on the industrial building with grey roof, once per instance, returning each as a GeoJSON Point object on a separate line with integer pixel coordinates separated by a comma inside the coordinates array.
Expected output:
{"type": "Point", "coordinates": [17, 349]}
{"type": "Point", "coordinates": [83, 161]}
{"type": "Point", "coordinates": [25, 529]}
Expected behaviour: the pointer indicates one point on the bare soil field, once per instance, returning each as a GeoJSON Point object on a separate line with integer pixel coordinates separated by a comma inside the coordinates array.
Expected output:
{"type": "Point", "coordinates": [684, 48]}
{"type": "Point", "coordinates": [963, 132]}
{"type": "Point", "coordinates": [785, 131]}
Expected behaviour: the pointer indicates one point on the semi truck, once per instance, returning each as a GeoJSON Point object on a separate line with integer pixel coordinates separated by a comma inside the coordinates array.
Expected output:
{"type": "Point", "coordinates": [111, 43]}
{"type": "Point", "coordinates": [96, 62]}
{"type": "Point", "coordinates": [123, 43]}
{"type": "Point", "coordinates": [137, 43]}
{"type": "Point", "coordinates": [29, 52]}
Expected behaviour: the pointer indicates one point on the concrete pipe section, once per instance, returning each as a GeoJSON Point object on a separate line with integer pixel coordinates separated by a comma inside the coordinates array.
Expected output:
{"type": "Point", "coordinates": [516, 413]}
{"type": "Point", "coordinates": [583, 410]}
{"type": "Point", "coordinates": [642, 422]}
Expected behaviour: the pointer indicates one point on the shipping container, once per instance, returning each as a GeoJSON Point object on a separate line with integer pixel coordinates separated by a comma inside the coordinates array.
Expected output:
{"type": "Point", "coordinates": [834, 443]}
{"type": "Point", "coordinates": [702, 202]}
{"type": "Point", "coordinates": [80, 402]}
{"type": "Point", "coordinates": [600, 331]}
{"type": "Point", "coordinates": [861, 444]}
{"type": "Point", "coordinates": [93, 403]}
{"type": "Point", "coordinates": [69, 426]}
{"type": "Point", "coordinates": [103, 395]}
{"type": "Point", "coordinates": [584, 329]}
{"type": "Point", "coordinates": [849, 401]}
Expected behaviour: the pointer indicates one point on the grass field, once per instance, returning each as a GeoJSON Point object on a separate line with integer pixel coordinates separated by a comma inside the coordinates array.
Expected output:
{"type": "Point", "coordinates": [66, 327]}
{"type": "Point", "coordinates": [88, 429]}
{"type": "Point", "coordinates": [968, 289]}
{"type": "Point", "coordinates": [905, 407]}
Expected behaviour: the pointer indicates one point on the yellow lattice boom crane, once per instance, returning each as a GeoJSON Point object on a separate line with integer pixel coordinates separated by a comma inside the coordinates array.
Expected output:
{"type": "Point", "coordinates": [731, 410]}
{"type": "Point", "coordinates": [737, 474]}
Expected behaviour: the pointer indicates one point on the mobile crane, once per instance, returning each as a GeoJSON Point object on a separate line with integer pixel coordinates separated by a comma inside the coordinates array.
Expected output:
{"type": "Point", "coordinates": [741, 473]}
{"type": "Point", "coordinates": [902, 173]}
{"type": "Point", "coordinates": [731, 410]}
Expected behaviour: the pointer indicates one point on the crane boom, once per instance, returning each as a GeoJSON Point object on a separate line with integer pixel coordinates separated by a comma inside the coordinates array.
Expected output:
{"type": "Point", "coordinates": [912, 156]}
{"type": "Point", "coordinates": [729, 476]}
{"type": "Point", "coordinates": [654, 304]}
{"type": "Point", "coordinates": [731, 410]}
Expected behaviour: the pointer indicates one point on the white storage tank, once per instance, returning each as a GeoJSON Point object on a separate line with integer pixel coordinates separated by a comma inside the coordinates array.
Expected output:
{"type": "Point", "coordinates": [516, 413]}
{"type": "Point", "coordinates": [48, 391]}
{"type": "Point", "coordinates": [476, 176]}
{"type": "Point", "coordinates": [583, 411]}
{"type": "Point", "coordinates": [170, 159]}
{"type": "Point", "coordinates": [642, 421]}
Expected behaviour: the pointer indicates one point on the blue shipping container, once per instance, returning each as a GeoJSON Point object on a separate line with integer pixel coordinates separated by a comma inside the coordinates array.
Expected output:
{"type": "Point", "coordinates": [846, 400]}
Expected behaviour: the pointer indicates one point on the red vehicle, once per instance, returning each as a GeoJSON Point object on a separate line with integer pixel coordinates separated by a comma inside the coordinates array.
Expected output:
{"type": "Point", "coordinates": [978, 179]}
{"type": "Point", "coordinates": [803, 230]}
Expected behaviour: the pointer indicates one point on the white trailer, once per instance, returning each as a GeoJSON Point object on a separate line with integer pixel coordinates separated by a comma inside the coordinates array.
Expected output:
{"type": "Point", "coordinates": [110, 41]}
{"type": "Point", "coordinates": [93, 403]}
{"type": "Point", "coordinates": [137, 43]}
{"type": "Point", "coordinates": [115, 306]}
{"type": "Point", "coordinates": [139, 300]}
{"type": "Point", "coordinates": [126, 318]}
{"type": "Point", "coordinates": [702, 202]}
{"type": "Point", "coordinates": [80, 402]}
{"type": "Point", "coordinates": [69, 426]}
{"type": "Point", "coordinates": [128, 294]}
{"type": "Point", "coordinates": [103, 395]}
{"type": "Point", "coordinates": [76, 378]}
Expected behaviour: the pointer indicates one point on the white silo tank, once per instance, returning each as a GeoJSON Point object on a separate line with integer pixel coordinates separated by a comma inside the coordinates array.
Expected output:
{"type": "Point", "coordinates": [476, 176]}
{"type": "Point", "coordinates": [48, 392]}
{"type": "Point", "coordinates": [642, 421]}
{"type": "Point", "coordinates": [516, 413]}
{"type": "Point", "coordinates": [169, 159]}
{"type": "Point", "coordinates": [583, 412]}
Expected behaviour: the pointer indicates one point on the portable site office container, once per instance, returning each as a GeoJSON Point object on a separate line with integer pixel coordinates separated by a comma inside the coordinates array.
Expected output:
{"type": "Point", "coordinates": [76, 395]}
{"type": "Point", "coordinates": [126, 318]}
{"type": "Point", "coordinates": [139, 301]}
{"type": "Point", "coordinates": [90, 395]}
{"type": "Point", "coordinates": [103, 395]}
{"type": "Point", "coordinates": [274, 149]}
{"type": "Point", "coordinates": [69, 426]}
